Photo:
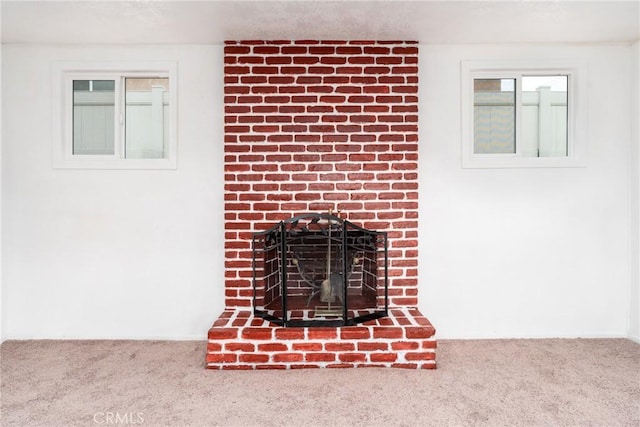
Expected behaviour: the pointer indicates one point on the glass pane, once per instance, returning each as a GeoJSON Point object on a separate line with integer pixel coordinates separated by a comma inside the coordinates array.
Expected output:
{"type": "Point", "coordinates": [146, 118]}
{"type": "Point", "coordinates": [494, 116]}
{"type": "Point", "coordinates": [544, 116]}
{"type": "Point", "coordinates": [81, 84]}
{"type": "Point", "coordinates": [103, 85]}
{"type": "Point", "coordinates": [93, 116]}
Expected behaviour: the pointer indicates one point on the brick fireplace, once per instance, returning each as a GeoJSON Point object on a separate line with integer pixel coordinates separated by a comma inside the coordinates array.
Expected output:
{"type": "Point", "coordinates": [313, 126]}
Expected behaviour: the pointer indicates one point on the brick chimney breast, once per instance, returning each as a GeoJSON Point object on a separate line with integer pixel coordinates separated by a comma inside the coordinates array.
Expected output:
{"type": "Point", "coordinates": [310, 126]}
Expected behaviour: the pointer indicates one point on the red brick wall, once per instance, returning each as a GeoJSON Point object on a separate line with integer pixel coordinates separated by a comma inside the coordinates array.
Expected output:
{"type": "Point", "coordinates": [313, 125]}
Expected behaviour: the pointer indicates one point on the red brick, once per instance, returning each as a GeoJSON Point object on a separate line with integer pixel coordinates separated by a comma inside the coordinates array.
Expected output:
{"type": "Point", "coordinates": [223, 333]}
{"type": "Point", "coordinates": [234, 69]}
{"type": "Point", "coordinates": [236, 322]}
{"type": "Point", "coordinates": [322, 333]}
{"type": "Point", "coordinates": [320, 109]}
{"type": "Point", "coordinates": [339, 346]}
{"type": "Point", "coordinates": [348, 70]}
{"type": "Point", "coordinates": [287, 357]}
{"type": "Point", "coordinates": [254, 358]}
{"type": "Point", "coordinates": [334, 118]}
{"type": "Point", "coordinates": [319, 89]}
{"type": "Point", "coordinates": [404, 70]}
{"type": "Point", "coordinates": [377, 70]}
{"type": "Point", "coordinates": [304, 99]}
{"type": "Point", "coordinates": [332, 98]}
{"type": "Point", "coordinates": [333, 60]}
{"type": "Point", "coordinates": [405, 345]}
{"type": "Point", "coordinates": [308, 80]}
{"type": "Point", "coordinates": [363, 118]}
{"type": "Point", "coordinates": [307, 138]}
{"type": "Point", "coordinates": [352, 357]}
{"type": "Point", "coordinates": [220, 323]}
{"type": "Point", "coordinates": [383, 357]}
{"type": "Point", "coordinates": [361, 99]}
{"type": "Point", "coordinates": [348, 50]}
{"type": "Point", "coordinates": [242, 367]}
{"type": "Point", "coordinates": [306, 119]}
{"type": "Point", "coordinates": [377, 50]}
{"type": "Point", "coordinates": [214, 347]}
{"type": "Point", "coordinates": [320, 70]}
{"type": "Point", "coordinates": [221, 357]}
{"type": "Point", "coordinates": [389, 60]}
{"type": "Point", "coordinates": [348, 206]}
{"type": "Point", "coordinates": [322, 50]}
{"type": "Point", "coordinates": [231, 50]}
{"type": "Point", "coordinates": [361, 60]}
{"type": "Point", "coordinates": [277, 60]}
{"type": "Point", "coordinates": [420, 356]}
{"type": "Point", "coordinates": [419, 332]}
{"type": "Point", "coordinates": [387, 332]}
{"type": "Point", "coordinates": [266, 50]}
{"type": "Point", "coordinates": [373, 346]}
{"type": "Point", "coordinates": [428, 365]}
{"type": "Point", "coordinates": [291, 89]}
{"type": "Point", "coordinates": [257, 333]}
{"type": "Point", "coordinates": [272, 347]}
{"type": "Point", "coordinates": [230, 302]}
{"type": "Point", "coordinates": [401, 50]}
{"type": "Point", "coordinates": [307, 346]}
{"type": "Point", "coordinates": [294, 50]}
{"type": "Point", "coordinates": [334, 138]}
{"type": "Point", "coordinates": [237, 346]}
{"type": "Point", "coordinates": [251, 59]}
{"type": "Point", "coordinates": [320, 357]}
{"type": "Point", "coordinates": [334, 157]}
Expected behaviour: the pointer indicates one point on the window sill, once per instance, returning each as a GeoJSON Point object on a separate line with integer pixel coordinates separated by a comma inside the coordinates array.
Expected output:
{"type": "Point", "coordinates": [116, 164]}
{"type": "Point", "coordinates": [493, 161]}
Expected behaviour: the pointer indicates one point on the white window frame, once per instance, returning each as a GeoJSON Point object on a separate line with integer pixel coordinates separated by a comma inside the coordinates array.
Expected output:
{"type": "Point", "coordinates": [576, 112]}
{"type": "Point", "coordinates": [64, 73]}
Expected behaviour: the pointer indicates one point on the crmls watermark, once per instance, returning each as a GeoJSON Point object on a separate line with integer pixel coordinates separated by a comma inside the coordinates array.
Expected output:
{"type": "Point", "coordinates": [118, 418]}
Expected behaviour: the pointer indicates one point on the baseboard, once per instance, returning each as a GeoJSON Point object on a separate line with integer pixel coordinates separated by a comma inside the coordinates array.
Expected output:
{"type": "Point", "coordinates": [141, 338]}
{"type": "Point", "coordinates": [634, 339]}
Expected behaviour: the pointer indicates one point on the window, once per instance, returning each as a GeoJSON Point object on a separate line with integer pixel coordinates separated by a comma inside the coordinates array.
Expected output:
{"type": "Point", "coordinates": [115, 116]}
{"type": "Point", "coordinates": [523, 115]}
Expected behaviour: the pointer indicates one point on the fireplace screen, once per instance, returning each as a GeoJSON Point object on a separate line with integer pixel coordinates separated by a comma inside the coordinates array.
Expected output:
{"type": "Point", "coordinates": [319, 270]}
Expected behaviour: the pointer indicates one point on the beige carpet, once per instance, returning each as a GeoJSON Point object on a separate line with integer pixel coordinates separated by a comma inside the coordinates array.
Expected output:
{"type": "Point", "coordinates": [492, 382]}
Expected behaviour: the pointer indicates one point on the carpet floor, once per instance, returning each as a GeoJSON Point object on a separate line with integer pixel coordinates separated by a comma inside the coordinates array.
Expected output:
{"type": "Point", "coordinates": [564, 382]}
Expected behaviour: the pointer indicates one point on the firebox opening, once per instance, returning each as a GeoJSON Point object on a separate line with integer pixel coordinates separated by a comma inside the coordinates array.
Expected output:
{"type": "Point", "coordinates": [319, 270]}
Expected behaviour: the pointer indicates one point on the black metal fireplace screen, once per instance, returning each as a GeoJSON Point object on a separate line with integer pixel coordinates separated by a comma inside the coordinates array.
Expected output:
{"type": "Point", "coordinates": [320, 270]}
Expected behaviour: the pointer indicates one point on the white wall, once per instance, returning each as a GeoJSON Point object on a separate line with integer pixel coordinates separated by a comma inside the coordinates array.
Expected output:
{"type": "Point", "coordinates": [634, 312]}
{"type": "Point", "coordinates": [109, 253]}
{"type": "Point", "coordinates": [1, 185]}
{"type": "Point", "coordinates": [541, 252]}
{"type": "Point", "coordinates": [139, 254]}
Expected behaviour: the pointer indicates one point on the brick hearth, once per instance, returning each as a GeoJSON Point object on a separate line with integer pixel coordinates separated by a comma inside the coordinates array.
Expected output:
{"type": "Point", "coordinates": [311, 126]}
{"type": "Point", "coordinates": [240, 341]}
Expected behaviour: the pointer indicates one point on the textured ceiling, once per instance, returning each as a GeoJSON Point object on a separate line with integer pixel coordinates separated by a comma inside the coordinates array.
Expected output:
{"type": "Point", "coordinates": [180, 22]}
